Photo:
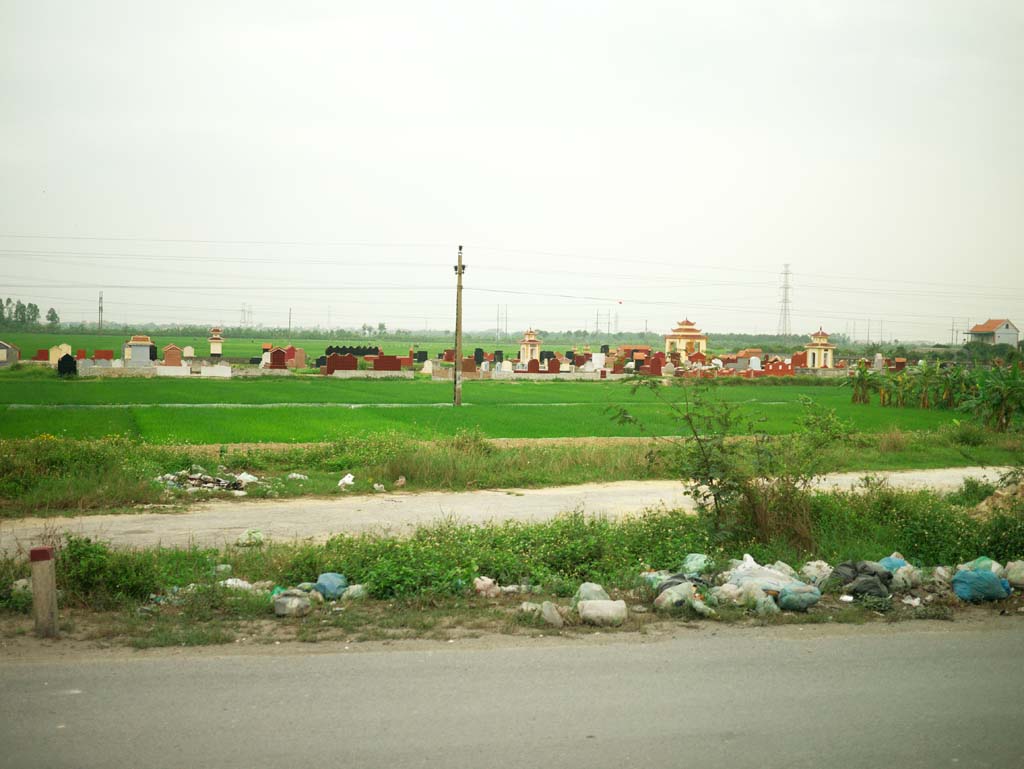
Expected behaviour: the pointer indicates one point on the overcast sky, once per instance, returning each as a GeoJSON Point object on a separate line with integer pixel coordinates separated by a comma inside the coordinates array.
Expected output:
{"type": "Point", "coordinates": [647, 160]}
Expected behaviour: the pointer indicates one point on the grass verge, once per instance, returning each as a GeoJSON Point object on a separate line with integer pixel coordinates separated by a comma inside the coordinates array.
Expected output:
{"type": "Point", "coordinates": [49, 475]}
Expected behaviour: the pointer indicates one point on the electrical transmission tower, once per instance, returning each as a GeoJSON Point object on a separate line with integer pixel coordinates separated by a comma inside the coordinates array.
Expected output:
{"type": "Point", "coordinates": [784, 325]}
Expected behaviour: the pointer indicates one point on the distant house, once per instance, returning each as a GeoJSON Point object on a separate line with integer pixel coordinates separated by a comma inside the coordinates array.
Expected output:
{"type": "Point", "coordinates": [995, 331]}
{"type": "Point", "coordinates": [9, 354]}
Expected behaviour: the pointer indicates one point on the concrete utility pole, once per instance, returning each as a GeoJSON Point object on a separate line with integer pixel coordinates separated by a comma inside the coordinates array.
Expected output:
{"type": "Point", "coordinates": [459, 269]}
{"type": "Point", "coordinates": [289, 325]}
{"type": "Point", "coordinates": [99, 324]}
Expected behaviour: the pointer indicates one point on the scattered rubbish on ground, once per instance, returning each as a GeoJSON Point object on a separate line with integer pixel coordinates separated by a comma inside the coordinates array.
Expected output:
{"type": "Point", "coordinates": [250, 538]}
{"type": "Point", "coordinates": [292, 603]}
{"type": "Point", "coordinates": [400, 482]}
{"type": "Point", "coordinates": [798, 597]}
{"type": "Point", "coordinates": [346, 481]}
{"type": "Point", "coordinates": [695, 564]}
{"type": "Point", "coordinates": [234, 583]}
{"type": "Point", "coordinates": [486, 587]}
{"type": "Point", "coordinates": [199, 480]}
{"type": "Point", "coordinates": [354, 593]}
{"type": "Point", "coordinates": [1014, 574]}
{"type": "Point", "coordinates": [378, 487]}
{"type": "Point", "coordinates": [980, 585]}
{"type": "Point", "coordinates": [297, 477]}
{"type": "Point", "coordinates": [331, 585]}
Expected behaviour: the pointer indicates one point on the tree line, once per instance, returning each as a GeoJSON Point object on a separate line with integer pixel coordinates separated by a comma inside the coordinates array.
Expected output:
{"type": "Point", "coordinates": [16, 313]}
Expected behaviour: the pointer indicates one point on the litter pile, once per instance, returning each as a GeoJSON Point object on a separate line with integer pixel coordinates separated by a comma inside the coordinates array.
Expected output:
{"type": "Point", "coordinates": [197, 479]}
{"type": "Point", "coordinates": [771, 589]}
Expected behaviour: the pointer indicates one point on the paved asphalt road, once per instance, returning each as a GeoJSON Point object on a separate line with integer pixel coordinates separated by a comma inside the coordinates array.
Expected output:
{"type": "Point", "coordinates": [879, 697]}
{"type": "Point", "coordinates": [214, 523]}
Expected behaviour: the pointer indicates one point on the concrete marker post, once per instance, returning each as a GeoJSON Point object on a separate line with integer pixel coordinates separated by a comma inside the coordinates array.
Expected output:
{"type": "Point", "coordinates": [44, 590]}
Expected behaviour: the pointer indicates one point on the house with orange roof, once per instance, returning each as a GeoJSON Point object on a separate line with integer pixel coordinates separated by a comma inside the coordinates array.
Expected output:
{"type": "Point", "coordinates": [995, 331]}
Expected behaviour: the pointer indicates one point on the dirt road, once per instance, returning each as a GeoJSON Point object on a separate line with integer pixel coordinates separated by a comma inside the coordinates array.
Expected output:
{"type": "Point", "coordinates": [214, 523]}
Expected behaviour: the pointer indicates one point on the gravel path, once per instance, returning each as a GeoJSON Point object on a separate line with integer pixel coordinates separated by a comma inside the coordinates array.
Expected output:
{"type": "Point", "coordinates": [214, 523]}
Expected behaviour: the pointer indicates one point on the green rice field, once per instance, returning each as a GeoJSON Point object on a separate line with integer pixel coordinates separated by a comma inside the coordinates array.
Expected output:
{"type": "Point", "coordinates": [316, 409]}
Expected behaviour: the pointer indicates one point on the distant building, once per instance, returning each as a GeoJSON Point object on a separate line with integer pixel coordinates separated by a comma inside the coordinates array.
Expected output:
{"type": "Point", "coordinates": [529, 346]}
{"type": "Point", "coordinates": [819, 351]}
{"type": "Point", "coordinates": [9, 354]}
{"type": "Point", "coordinates": [216, 342]}
{"type": "Point", "coordinates": [137, 352]}
{"type": "Point", "coordinates": [995, 331]}
{"type": "Point", "coordinates": [686, 339]}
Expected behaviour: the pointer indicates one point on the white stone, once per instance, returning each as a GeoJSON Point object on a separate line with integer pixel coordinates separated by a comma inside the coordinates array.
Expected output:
{"type": "Point", "coordinates": [527, 607]}
{"type": "Point", "coordinates": [602, 613]}
{"type": "Point", "coordinates": [551, 614]}
{"type": "Point", "coordinates": [506, 366]}
{"type": "Point", "coordinates": [589, 591]}
{"type": "Point", "coordinates": [428, 367]}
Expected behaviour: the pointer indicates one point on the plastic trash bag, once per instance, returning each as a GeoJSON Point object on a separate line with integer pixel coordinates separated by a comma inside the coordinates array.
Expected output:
{"type": "Point", "coordinates": [816, 572]}
{"type": "Point", "coordinates": [683, 594]}
{"type": "Point", "coordinates": [983, 563]}
{"type": "Point", "coordinates": [848, 571]}
{"type": "Point", "coordinates": [727, 593]}
{"type": "Point", "coordinates": [331, 585]}
{"type": "Point", "coordinates": [892, 563]}
{"type": "Point", "coordinates": [798, 597]}
{"type": "Point", "coordinates": [655, 578]}
{"type": "Point", "coordinates": [347, 480]}
{"type": "Point", "coordinates": [784, 568]}
{"type": "Point", "coordinates": [1014, 573]}
{"type": "Point", "coordinates": [486, 587]}
{"type": "Point", "coordinates": [906, 578]}
{"type": "Point", "coordinates": [750, 572]}
{"type": "Point", "coordinates": [250, 538]}
{"type": "Point", "coordinates": [589, 591]}
{"type": "Point", "coordinates": [867, 584]}
{"type": "Point", "coordinates": [980, 585]}
{"type": "Point", "coordinates": [941, 575]}
{"type": "Point", "coordinates": [695, 563]}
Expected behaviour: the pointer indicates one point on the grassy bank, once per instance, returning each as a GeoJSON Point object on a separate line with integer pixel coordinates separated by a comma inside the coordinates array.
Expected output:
{"type": "Point", "coordinates": [426, 578]}
{"type": "Point", "coordinates": [46, 475]}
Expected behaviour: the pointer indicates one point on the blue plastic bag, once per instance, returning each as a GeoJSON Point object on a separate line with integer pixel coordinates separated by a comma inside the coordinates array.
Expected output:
{"type": "Point", "coordinates": [331, 585]}
{"type": "Point", "coordinates": [980, 586]}
{"type": "Point", "coordinates": [891, 563]}
{"type": "Point", "coordinates": [798, 597]}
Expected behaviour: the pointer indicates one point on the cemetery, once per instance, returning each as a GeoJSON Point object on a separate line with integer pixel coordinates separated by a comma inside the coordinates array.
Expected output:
{"type": "Point", "coordinates": [686, 354]}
